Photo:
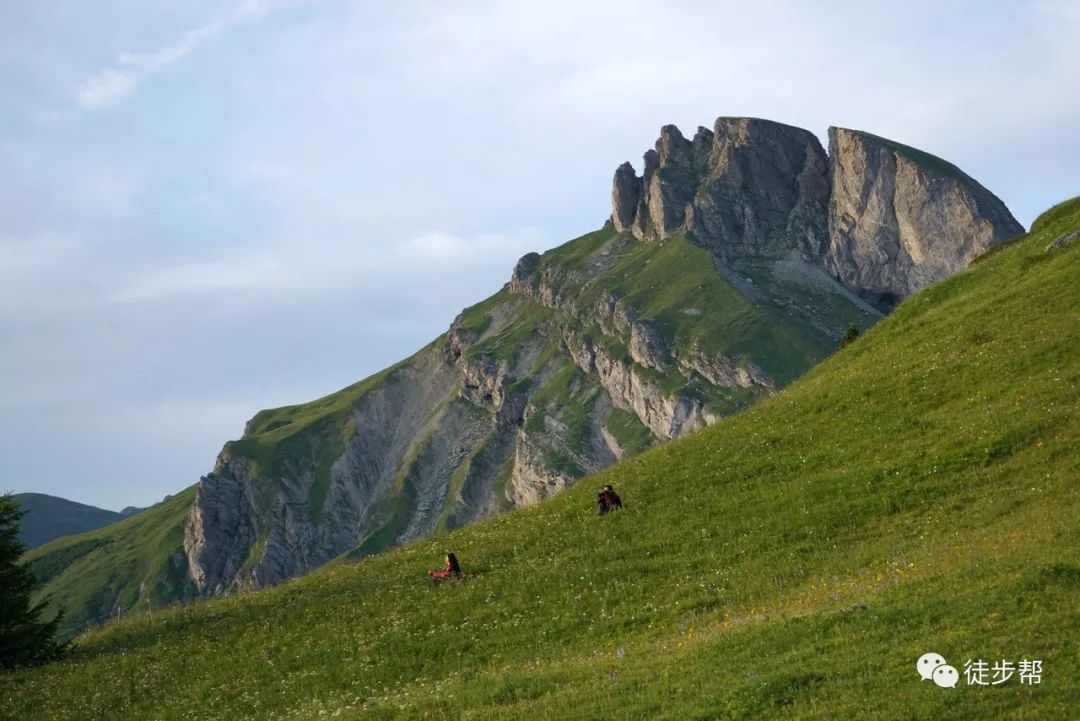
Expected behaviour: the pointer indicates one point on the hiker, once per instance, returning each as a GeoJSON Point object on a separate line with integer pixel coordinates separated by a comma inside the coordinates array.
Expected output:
{"type": "Point", "coordinates": [452, 570]}
{"type": "Point", "coordinates": [614, 502]}
{"type": "Point", "coordinates": [607, 500]}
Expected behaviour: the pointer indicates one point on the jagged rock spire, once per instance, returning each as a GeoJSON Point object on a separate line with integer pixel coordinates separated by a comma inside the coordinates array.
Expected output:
{"type": "Point", "coordinates": [882, 218]}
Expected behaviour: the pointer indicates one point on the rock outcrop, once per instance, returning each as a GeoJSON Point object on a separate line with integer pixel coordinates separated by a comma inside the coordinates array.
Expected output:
{"type": "Point", "coordinates": [883, 219]}
{"type": "Point", "coordinates": [625, 197]}
{"type": "Point", "coordinates": [747, 187]}
{"type": "Point", "coordinates": [900, 219]}
{"type": "Point", "coordinates": [1062, 240]}
{"type": "Point", "coordinates": [220, 529]}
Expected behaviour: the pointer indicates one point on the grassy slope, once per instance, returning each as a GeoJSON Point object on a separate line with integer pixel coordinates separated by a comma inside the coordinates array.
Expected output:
{"type": "Point", "coordinates": [921, 157]}
{"type": "Point", "coordinates": [664, 280]}
{"type": "Point", "coordinates": [82, 573]}
{"type": "Point", "coordinates": [915, 492]}
{"type": "Point", "coordinates": [49, 517]}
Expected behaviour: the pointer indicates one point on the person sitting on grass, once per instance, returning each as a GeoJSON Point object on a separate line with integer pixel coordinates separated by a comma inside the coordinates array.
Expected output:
{"type": "Point", "coordinates": [452, 570]}
{"type": "Point", "coordinates": [608, 500]}
{"type": "Point", "coordinates": [602, 506]}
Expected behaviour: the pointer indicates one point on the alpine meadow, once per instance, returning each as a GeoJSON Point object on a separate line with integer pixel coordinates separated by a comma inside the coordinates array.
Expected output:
{"type": "Point", "coordinates": [914, 492]}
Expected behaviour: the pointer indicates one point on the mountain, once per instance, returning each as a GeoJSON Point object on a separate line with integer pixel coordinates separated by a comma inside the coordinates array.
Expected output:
{"type": "Point", "coordinates": [138, 562]}
{"type": "Point", "coordinates": [731, 266]}
{"type": "Point", "coordinates": [48, 517]}
{"type": "Point", "coordinates": [916, 492]}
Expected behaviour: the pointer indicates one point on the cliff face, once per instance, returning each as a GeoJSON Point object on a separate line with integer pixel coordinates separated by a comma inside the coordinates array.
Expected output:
{"type": "Point", "coordinates": [883, 219]}
{"type": "Point", "coordinates": [900, 219]}
{"type": "Point", "coordinates": [746, 188]}
{"type": "Point", "coordinates": [729, 267]}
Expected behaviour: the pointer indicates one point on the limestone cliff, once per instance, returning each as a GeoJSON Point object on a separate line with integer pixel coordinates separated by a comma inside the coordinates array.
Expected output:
{"type": "Point", "coordinates": [881, 218]}
{"type": "Point", "coordinates": [900, 219]}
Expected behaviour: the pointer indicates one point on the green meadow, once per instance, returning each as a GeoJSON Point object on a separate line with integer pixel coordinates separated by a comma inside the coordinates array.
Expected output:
{"type": "Point", "coordinates": [917, 491]}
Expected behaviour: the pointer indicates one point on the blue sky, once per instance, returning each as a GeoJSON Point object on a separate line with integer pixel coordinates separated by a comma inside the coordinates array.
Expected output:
{"type": "Point", "coordinates": [212, 207]}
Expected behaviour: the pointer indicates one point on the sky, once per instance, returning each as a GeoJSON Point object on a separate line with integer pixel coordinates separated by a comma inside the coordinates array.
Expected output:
{"type": "Point", "coordinates": [217, 206]}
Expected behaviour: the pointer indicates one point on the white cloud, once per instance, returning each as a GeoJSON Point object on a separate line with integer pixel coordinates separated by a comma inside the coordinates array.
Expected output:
{"type": "Point", "coordinates": [440, 249]}
{"type": "Point", "coordinates": [112, 84]}
{"type": "Point", "coordinates": [23, 256]}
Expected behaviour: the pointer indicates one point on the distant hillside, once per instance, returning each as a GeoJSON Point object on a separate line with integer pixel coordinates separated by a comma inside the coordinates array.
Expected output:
{"type": "Point", "coordinates": [137, 559]}
{"type": "Point", "coordinates": [48, 517]}
{"type": "Point", "coordinates": [916, 492]}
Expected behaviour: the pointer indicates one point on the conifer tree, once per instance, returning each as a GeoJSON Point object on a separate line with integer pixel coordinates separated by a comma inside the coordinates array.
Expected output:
{"type": "Point", "coordinates": [25, 638]}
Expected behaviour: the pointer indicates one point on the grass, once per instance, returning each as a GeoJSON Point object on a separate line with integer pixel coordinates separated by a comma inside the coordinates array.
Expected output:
{"type": "Point", "coordinates": [921, 158]}
{"type": "Point", "coordinates": [669, 283]}
{"type": "Point", "coordinates": [127, 564]}
{"type": "Point", "coordinates": [1058, 216]}
{"type": "Point", "coordinates": [915, 492]}
{"type": "Point", "coordinates": [576, 254]}
{"type": "Point", "coordinates": [530, 320]}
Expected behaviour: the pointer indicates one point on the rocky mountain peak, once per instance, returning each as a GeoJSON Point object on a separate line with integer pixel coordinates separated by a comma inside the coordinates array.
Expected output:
{"type": "Point", "coordinates": [672, 147]}
{"type": "Point", "coordinates": [881, 218]}
{"type": "Point", "coordinates": [625, 195]}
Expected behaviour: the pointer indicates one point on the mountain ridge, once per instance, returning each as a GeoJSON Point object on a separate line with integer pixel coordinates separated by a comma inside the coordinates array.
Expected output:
{"type": "Point", "coordinates": [47, 517]}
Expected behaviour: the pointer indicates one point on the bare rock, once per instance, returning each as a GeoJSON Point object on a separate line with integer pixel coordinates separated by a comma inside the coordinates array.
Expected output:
{"type": "Point", "coordinates": [1062, 240]}
{"type": "Point", "coordinates": [220, 529]}
{"type": "Point", "coordinates": [765, 191]}
{"type": "Point", "coordinates": [883, 219]}
{"type": "Point", "coordinates": [723, 372]}
{"type": "Point", "coordinates": [626, 190]}
{"type": "Point", "coordinates": [533, 479]}
{"type": "Point", "coordinates": [667, 416]}
{"type": "Point", "coordinates": [900, 219]}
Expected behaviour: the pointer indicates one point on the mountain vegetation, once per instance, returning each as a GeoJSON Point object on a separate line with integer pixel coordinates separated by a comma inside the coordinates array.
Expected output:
{"type": "Point", "coordinates": [26, 638]}
{"type": "Point", "coordinates": [915, 492]}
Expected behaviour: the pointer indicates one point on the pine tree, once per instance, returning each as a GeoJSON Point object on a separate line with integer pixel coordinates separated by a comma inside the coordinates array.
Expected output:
{"type": "Point", "coordinates": [25, 639]}
{"type": "Point", "coordinates": [850, 335]}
